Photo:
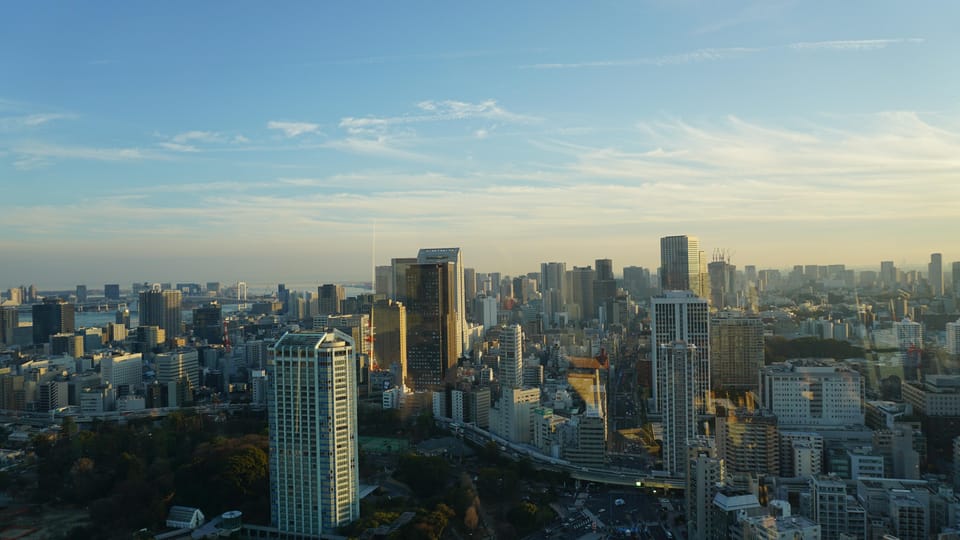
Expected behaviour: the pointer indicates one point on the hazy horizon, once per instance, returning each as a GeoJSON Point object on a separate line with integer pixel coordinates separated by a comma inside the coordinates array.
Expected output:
{"type": "Point", "coordinates": [265, 143]}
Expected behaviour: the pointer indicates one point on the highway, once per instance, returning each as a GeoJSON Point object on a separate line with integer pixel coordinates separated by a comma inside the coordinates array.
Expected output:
{"type": "Point", "coordinates": [618, 477]}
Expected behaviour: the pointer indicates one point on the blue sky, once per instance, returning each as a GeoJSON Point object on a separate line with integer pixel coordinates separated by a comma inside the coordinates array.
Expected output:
{"type": "Point", "coordinates": [241, 140]}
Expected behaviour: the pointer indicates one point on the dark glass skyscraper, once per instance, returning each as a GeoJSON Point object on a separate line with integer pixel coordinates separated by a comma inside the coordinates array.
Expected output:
{"type": "Point", "coordinates": [330, 299]}
{"type": "Point", "coordinates": [431, 324]}
{"type": "Point", "coordinates": [53, 316]}
{"type": "Point", "coordinates": [207, 323]}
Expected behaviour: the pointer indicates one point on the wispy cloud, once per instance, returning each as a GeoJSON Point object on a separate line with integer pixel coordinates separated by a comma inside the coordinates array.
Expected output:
{"type": "Point", "coordinates": [852, 44]}
{"type": "Point", "coordinates": [52, 151]}
{"type": "Point", "coordinates": [33, 120]}
{"type": "Point", "coordinates": [725, 53]}
{"type": "Point", "coordinates": [293, 129]}
{"type": "Point", "coordinates": [435, 111]}
{"type": "Point", "coordinates": [691, 57]}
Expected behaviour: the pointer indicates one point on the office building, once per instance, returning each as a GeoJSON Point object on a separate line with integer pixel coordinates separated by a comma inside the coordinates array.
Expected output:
{"type": "Point", "coordinates": [511, 356]}
{"type": "Point", "coordinates": [935, 274]}
{"type": "Point", "coordinates": [383, 280]}
{"type": "Point", "coordinates": [722, 277]}
{"type": "Point", "coordinates": [780, 528]}
{"type": "Point", "coordinates": [889, 276]}
{"type": "Point", "coordinates": [736, 353]}
{"type": "Point", "coordinates": [111, 291]}
{"type": "Point", "coordinates": [312, 418]}
{"type": "Point", "coordinates": [81, 294]}
{"type": "Point", "coordinates": [162, 308]}
{"type": "Point", "coordinates": [122, 370]}
{"type": "Point", "coordinates": [581, 293]}
{"type": "Point", "coordinates": [53, 316]}
{"type": "Point", "coordinates": [812, 393]}
{"type": "Point", "coordinates": [681, 316]}
{"type": "Point", "coordinates": [454, 258]}
{"type": "Point", "coordinates": [175, 366]}
{"type": "Point", "coordinates": [801, 454]}
{"type": "Point", "coordinates": [330, 299]}
{"type": "Point", "coordinates": [909, 346]}
{"type": "Point", "coordinates": [9, 322]}
{"type": "Point", "coordinates": [431, 324]}
{"type": "Point", "coordinates": [389, 320]}
{"type": "Point", "coordinates": [514, 414]}
{"type": "Point", "coordinates": [677, 375]}
{"type": "Point", "coordinates": [68, 344]}
{"type": "Point", "coordinates": [208, 323]}
{"type": "Point", "coordinates": [636, 280]}
{"type": "Point", "coordinates": [955, 278]}
{"type": "Point", "coordinates": [683, 267]}
{"type": "Point", "coordinates": [604, 290]}
{"type": "Point", "coordinates": [836, 512]}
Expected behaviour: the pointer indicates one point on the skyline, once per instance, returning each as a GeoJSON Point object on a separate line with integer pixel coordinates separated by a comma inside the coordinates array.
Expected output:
{"type": "Point", "coordinates": [165, 140]}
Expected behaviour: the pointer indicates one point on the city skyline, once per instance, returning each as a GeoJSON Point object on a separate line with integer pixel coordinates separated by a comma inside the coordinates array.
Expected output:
{"type": "Point", "coordinates": [169, 145]}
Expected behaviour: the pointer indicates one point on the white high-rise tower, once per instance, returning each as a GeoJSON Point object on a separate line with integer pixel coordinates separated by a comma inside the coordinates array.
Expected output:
{"type": "Point", "coordinates": [312, 413]}
{"type": "Point", "coordinates": [511, 357]}
{"type": "Point", "coordinates": [679, 386]}
{"type": "Point", "coordinates": [681, 316]}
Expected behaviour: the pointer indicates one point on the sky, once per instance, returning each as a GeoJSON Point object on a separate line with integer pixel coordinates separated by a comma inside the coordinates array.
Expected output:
{"type": "Point", "coordinates": [305, 141]}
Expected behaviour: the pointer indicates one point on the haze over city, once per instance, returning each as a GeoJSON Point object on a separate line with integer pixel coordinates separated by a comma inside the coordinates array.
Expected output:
{"type": "Point", "coordinates": [268, 143]}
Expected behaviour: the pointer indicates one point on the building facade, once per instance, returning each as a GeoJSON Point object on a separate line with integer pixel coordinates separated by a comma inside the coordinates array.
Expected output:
{"type": "Point", "coordinates": [312, 414]}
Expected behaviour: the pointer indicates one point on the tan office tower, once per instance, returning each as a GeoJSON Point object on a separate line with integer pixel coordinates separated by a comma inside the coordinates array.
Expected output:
{"type": "Point", "coordinates": [312, 416]}
{"type": "Point", "coordinates": [390, 338]}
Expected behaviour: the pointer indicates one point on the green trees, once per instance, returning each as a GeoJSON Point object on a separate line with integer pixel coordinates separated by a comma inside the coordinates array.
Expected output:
{"type": "Point", "coordinates": [426, 475]}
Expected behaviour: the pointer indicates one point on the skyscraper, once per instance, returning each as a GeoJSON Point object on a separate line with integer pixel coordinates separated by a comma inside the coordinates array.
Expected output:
{"type": "Point", "coordinates": [208, 323]}
{"type": "Point", "coordinates": [9, 321]}
{"type": "Point", "coordinates": [604, 289]}
{"type": "Point", "coordinates": [935, 273]}
{"type": "Point", "coordinates": [431, 324]}
{"type": "Point", "coordinates": [312, 417]}
{"type": "Point", "coordinates": [161, 308]}
{"type": "Point", "coordinates": [683, 267]}
{"type": "Point", "coordinates": [111, 291]}
{"type": "Point", "coordinates": [581, 288]}
{"type": "Point", "coordinates": [681, 316]}
{"type": "Point", "coordinates": [81, 294]}
{"type": "Point", "coordinates": [511, 356]}
{"type": "Point", "coordinates": [955, 278]}
{"type": "Point", "coordinates": [330, 299]}
{"type": "Point", "coordinates": [888, 274]}
{"type": "Point", "coordinates": [454, 257]}
{"type": "Point", "coordinates": [677, 377]}
{"type": "Point", "coordinates": [636, 279]}
{"type": "Point", "coordinates": [399, 266]}
{"type": "Point", "coordinates": [53, 316]}
{"type": "Point", "coordinates": [390, 343]}
{"type": "Point", "coordinates": [552, 275]}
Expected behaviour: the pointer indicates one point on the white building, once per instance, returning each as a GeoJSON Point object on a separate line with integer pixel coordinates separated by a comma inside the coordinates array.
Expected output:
{"type": "Point", "coordinates": [487, 308]}
{"type": "Point", "coordinates": [176, 365]}
{"type": "Point", "coordinates": [312, 413]}
{"type": "Point", "coordinates": [953, 337]}
{"type": "Point", "coordinates": [511, 356]}
{"type": "Point", "coordinates": [909, 340]}
{"type": "Point", "coordinates": [678, 377]}
{"type": "Point", "coordinates": [681, 316]}
{"type": "Point", "coordinates": [812, 393]}
{"type": "Point", "coordinates": [122, 370]}
{"type": "Point", "coordinates": [513, 418]}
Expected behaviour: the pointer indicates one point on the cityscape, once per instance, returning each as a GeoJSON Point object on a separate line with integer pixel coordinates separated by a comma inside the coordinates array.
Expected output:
{"type": "Point", "coordinates": [646, 270]}
{"type": "Point", "coordinates": [695, 399]}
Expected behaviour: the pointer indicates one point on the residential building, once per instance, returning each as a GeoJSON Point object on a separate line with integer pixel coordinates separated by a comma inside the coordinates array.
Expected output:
{"type": "Point", "coordinates": [805, 393]}
{"type": "Point", "coordinates": [681, 316]}
{"type": "Point", "coordinates": [312, 416]}
{"type": "Point", "coordinates": [748, 441]}
{"type": "Point", "coordinates": [678, 380]}
{"type": "Point", "coordinates": [705, 476]}
{"type": "Point", "coordinates": [511, 356]}
{"type": "Point", "coordinates": [736, 353]}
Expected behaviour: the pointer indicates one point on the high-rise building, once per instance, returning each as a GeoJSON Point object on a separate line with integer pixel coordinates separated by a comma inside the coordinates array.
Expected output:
{"type": "Point", "coordinates": [111, 291]}
{"type": "Point", "coordinates": [953, 337]}
{"type": "Point", "coordinates": [208, 323]}
{"type": "Point", "coordinates": [120, 370]}
{"type": "Point", "coordinates": [81, 294]}
{"type": "Point", "coordinates": [705, 475]}
{"type": "Point", "coordinates": [748, 442]}
{"type": "Point", "coordinates": [682, 316]}
{"type": "Point", "coordinates": [513, 420]}
{"type": "Point", "coordinates": [511, 356]}
{"type": "Point", "coordinates": [677, 375]}
{"type": "Point", "coordinates": [399, 266]}
{"type": "Point", "coordinates": [683, 267]}
{"type": "Point", "coordinates": [935, 274]}
{"type": "Point", "coordinates": [383, 280]}
{"type": "Point", "coordinates": [736, 353]}
{"type": "Point", "coordinates": [390, 340]}
{"type": "Point", "coordinates": [312, 417]}
{"type": "Point", "coordinates": [636, 280]}
{"type": "Point", "coordinates": [330, 299]}
{"type": "Point", "coordinates": [454, 257]}
{"type": "Point", "coordinates": [431, 324]}
{"type": "Point", "coordinates": [888, 274]}
{"type": "Point", "coordinates": [722, 278]}
{"type": "Point", "coordinates": [162, 308]}
{"type": "Point", "coordinates": [53, 316]}
{"type": "Point", "coordinates": [552, 277]}
{"type": "Point", "coordinates": [909, 346]}
{"type": "Point", "coordinates": [955, 278]}
{"type": "Point", "coordinates": [9, 321]}
{"type": "Point", "coordinates": [469, 286]}
{"type": "Point", "coordinates": [581, 289]}
{"type": "Point", "coordinates": [604, 290]}
{"type": "Point", "coordinates": [177, 365]}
